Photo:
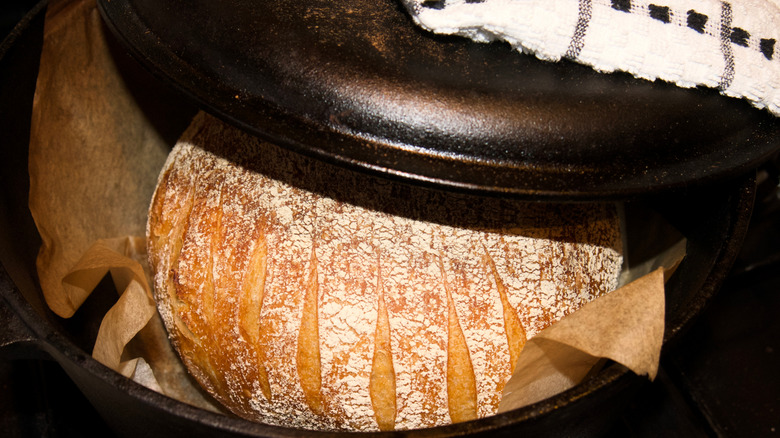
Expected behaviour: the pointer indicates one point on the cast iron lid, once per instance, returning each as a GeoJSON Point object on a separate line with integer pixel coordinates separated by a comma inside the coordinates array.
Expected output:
{"type": "Point", "coordinates": [357, 83]}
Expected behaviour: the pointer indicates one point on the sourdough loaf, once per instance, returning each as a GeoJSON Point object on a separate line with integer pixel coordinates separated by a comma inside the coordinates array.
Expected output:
{"type": "Point", "coordinates": [306, 295]}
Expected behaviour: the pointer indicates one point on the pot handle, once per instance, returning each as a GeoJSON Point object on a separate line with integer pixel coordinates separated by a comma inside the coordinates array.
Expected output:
{"type": "Point", "coordinates": [17, 340]}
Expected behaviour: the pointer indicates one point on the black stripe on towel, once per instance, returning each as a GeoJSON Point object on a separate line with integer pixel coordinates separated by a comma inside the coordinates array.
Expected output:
{"type": "Point", "coordinates": [725, 46]}
{"type": "Point", "coordinates": [434, 4]}
{"type": "Point", "coordinates": [660, 13]}
{"type": "Point", "coordinates": [768, 47]}
{"type": "Point", "coordinates": [621, 5]}
{"type": "Point", "coordinates": [583, 20]}
{"type": "Point", "coordinates": [697, 21]}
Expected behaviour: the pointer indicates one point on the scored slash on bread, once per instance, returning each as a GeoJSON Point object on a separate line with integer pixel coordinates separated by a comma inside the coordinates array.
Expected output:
{"type": "Point", "coordinates": [306, 295]}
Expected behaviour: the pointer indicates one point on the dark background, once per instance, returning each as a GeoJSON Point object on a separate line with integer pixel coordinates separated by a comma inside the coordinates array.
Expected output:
{"type": "Point", "coordinates": [721, 379]}
{"type": "Point", "coordinates": [11, 11]}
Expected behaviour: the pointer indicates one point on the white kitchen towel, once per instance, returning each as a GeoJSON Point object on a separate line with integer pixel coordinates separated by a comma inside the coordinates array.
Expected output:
{"type": "Point", "coordinates": [731, 46]}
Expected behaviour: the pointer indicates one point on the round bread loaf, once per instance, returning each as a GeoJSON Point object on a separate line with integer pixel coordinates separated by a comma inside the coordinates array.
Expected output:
{"type": "Point", "coordinates": [302, 294]}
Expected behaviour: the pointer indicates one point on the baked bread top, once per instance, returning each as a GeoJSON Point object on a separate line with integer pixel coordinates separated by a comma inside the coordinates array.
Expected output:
{"type": "Point", "coordinates": [306, 295]}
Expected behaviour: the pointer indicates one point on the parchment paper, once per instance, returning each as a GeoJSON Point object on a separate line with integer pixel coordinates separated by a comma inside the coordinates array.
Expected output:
{"type": "Point", "coordinates": [560, 356]}
{"type": "Point", "coordinates": [96, 149]}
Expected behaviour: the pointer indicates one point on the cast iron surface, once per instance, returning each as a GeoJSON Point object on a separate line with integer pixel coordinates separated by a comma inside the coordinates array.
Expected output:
{"type": "Point", "coordinates": [713, 218]}
{"type": "Point", "coordinates": [358, 83]}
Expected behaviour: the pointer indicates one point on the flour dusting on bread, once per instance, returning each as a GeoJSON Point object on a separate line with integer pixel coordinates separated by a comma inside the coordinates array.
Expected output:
{"type": "Point", "coordinates": [306, 295]}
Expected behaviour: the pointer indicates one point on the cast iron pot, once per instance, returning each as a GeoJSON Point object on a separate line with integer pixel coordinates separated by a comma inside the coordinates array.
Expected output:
{"type": "Point", "coordinates": [713, 218]}
{"type": "Point", "coordinates": [358, 83]}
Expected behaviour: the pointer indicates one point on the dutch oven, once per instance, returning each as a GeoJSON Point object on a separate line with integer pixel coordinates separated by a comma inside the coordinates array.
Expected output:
{"type": "Point", "coordinates": [710, 207]}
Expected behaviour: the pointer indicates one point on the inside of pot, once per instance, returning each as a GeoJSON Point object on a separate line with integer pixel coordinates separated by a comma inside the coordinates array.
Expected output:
{"type": "Point", "coordinates": [707, 216]}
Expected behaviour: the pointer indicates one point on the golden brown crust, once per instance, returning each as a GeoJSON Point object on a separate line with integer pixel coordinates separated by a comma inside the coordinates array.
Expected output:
{"type": "Point", "coordinates": [306, 295]}
{"type": "Point", "coordinates": [382, 391]}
